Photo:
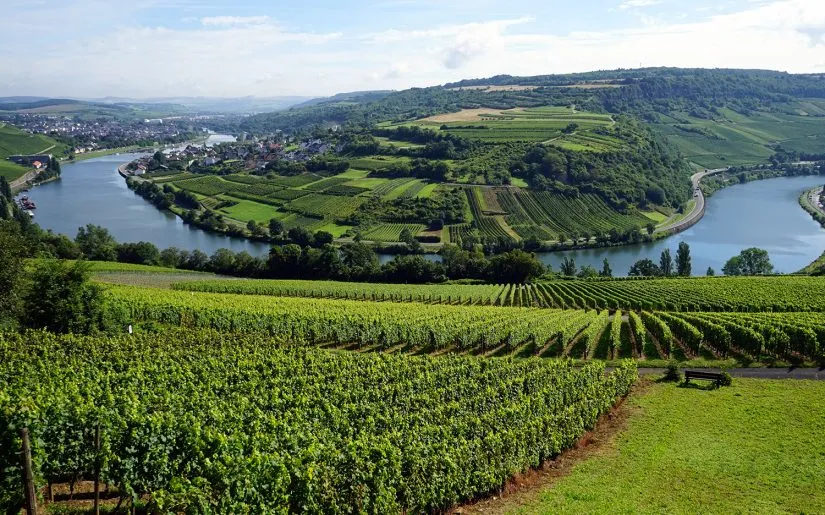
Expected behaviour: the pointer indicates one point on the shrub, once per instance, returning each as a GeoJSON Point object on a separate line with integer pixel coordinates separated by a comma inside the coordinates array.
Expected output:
{"type": "Point", "coordinates": [727, 380]}
{"type": "Point", "coordinates": [672, 371]}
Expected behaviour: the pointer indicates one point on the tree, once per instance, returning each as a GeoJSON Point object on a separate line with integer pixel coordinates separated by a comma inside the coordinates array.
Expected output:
{"type": "Point", "coordinates": [323, 238]}
{"type": "Point", "coordinates": [276, 227]}
{"type": "Point", "coordinates": [710, 272]}
{"type": "Point", "coordinates": [666, 263]}
{"type": "Point", "coordinates": [60, 298]}
{"type": "Point", "coordinates": [644, 268]}
{"type": "Point", "coordinates": [171, 257]}
{"type": "Point", "coordinates": [96, 243]}
{"type": "Point", "coordinates": [197, 260]}
{"type": "Point", "coordinates": [222, 262]}
{"type": "Point", "coordinates": [12, 252]}
{"type": "Point", "coordinates": [733, 266]}
{"type": "Point", "coordinates": [568, 266]}
{"type": "Point", "coordinates": [360, 261]}
{"type": "Point", "coordinates": [141, 253]}
{"type": "Point", "coordinates": [587, 272]}
{"type": "Point", "coordinates": [5, 188]}
{"type": "Point", "coordinates": [683, 261]}
{"type": "Point", "coordinates": [300, 236]}
{"type": "Point", "coordinates": [752, 261]}
{"type": "Point", "coordinates": [515, 266]}
{"type": "Point", "coordinates": [650, 228]}
{"type": "Point", "coordinates": [606, 270]}
{"type": "Point", "coordinates": [405, 236]}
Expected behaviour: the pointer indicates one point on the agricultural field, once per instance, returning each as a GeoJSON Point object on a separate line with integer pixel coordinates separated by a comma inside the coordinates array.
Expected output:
{"type": "Point", "coordinates": [525, 329]}
{"type": "Point", "coordinates": [537, 124]}
{"type": "Point", "coordinates": [15, 141]}
{"type": "Point", "coordinates": [747, 294]}
{"type": "Point", "coordinates": [751, 446]}
{"type": "Point", "coordinates": [321, 429]}
{"type": "Point", "coordinates": [11, 171]}
{"type": "Point", "coordinates": [306, 200]}
{"type": "Point", "coordinates": [391, 232]}
{"type": "Point", "coordinates": [515, 213]}
{"type": "Point", "coordinates": [734, 139]}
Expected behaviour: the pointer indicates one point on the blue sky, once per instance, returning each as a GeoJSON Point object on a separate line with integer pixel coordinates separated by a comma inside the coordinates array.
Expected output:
{"type": "Point", "coordinates": [156, 48]}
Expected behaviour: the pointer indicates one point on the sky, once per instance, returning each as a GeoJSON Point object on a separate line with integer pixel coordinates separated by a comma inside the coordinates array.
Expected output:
{"type": "Point", "coordinates": [264, 48]}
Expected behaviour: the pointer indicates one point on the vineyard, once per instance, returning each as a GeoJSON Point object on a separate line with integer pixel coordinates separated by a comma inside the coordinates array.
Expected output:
{"type": "Point", "coordinates": [779, 293]}
{"type": "Point", "coordinates": [391, 232]}
{"type": "Point", "coordinates": [376, 324]}
{"type": "Point", "coordinates": [202, 421]}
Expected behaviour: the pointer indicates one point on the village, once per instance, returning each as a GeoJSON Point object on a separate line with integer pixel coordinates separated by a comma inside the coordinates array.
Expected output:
{"type": "Point", "coordinates": [86, 135]}
{"type": "Point", "coordinates": [253, 155]}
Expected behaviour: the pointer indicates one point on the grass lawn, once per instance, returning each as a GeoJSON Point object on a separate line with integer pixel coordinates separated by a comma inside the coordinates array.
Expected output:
{"type": "Point", "coordinates": [369, 182]}
{"type": "Point", "coordinates": [427, 191]}
{"type": "Point", "coordinates": [518, 181]}
{"type": "Point", "coordinates": [335, 229]}
{"type": "Point", "coordinates": [756, 447]}
{"type": "Point", "coordinates": [246, 210]}
{"type": "Point", "coordinates": [354, 174]}
{"type": "Point", "coordinates": [655, 216]}
{"type": "Point", "coordinates": [11, 171]}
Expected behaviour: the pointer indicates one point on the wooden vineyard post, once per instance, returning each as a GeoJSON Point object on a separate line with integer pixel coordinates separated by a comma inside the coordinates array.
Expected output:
{"type": "Point", "coordinates": [97, 468]}
{"type": "Point", "coordinates": [28, 476]}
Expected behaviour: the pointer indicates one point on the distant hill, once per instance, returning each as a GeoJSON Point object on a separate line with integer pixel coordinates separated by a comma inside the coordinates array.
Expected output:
{"type": "Point", "coordinates": [211, 104]}
{"type": "Point", "coordinates": [354, 96]}
{"type": "Point", "coordinates": [714, 116]}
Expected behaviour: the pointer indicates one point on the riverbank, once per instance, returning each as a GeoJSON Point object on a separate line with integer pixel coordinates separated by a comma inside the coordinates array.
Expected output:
{"type": "Point", "coordinates": [810, 202]}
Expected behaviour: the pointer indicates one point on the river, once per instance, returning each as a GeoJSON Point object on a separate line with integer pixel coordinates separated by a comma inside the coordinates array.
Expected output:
{"type": "Point", "coordinates": [762, 214]}
{"type": "Point", "coordinates": [92, 192]}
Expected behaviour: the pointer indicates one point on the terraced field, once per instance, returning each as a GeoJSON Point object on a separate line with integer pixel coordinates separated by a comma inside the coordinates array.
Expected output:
{"type": "Point", "coordinates": [517, 213]}
{"type": "Point", "coordinates": [524, 124]}
{"type": "Point", "coordinates": [722, 294]}
{"type": "Point", "coordinates": [733, 139]}
{"type": "Point", "coordinates": [792, 336]}
{"type": "Point", "coordinates": [391, 232]}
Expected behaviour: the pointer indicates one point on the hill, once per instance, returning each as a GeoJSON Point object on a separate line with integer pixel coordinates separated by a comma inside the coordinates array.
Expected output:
{"type": "Point", "coordinates": [14, 141]}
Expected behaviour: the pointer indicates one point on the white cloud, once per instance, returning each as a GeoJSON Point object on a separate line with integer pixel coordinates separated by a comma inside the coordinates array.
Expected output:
{"type": "Point", "coordinates": [235, 56]}
{"type": "Point", "coordinates": [233, 21]}
{"type": "Point", "coordinates": [630, 4]}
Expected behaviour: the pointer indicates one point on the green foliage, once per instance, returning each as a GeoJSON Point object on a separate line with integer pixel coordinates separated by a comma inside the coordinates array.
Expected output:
{"type": "Point", "coordinates": [683, 264]}
{"type": "Point", "coordinates": [672, 371]}
{"type": "Point", "coordinates": [515, 266]}
{"type": "Point", "coordinates": [12, 252]}
{"type": "Point", "coordinates": [168, 409]}
{"type": "Point", "coordinates": [58, 297]}
{"type": "Point", "coordinates": [750, 261]}
{"type": "Point", "coordinates": [96, 243]}
{"type": "Point", "coordinates": [645, 268]}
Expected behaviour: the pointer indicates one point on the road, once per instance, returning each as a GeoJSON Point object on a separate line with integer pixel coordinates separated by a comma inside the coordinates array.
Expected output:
{"type": "Point", "coordinates": [699, 206]}
{"type": "Point", "coordinates": [813, 198]}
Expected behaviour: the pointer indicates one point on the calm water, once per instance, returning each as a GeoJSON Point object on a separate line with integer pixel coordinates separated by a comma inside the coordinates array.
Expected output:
{"type": "Point", "coordinates": [764, 214]}
{"type": "Point", "coordinates": [92, 192]}
{"type": "Point", "coordinates": [761, 214]}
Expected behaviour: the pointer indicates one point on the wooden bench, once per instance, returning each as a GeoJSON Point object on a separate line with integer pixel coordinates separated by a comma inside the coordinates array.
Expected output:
{"type": "Point", "coordinates": [708, 376]}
